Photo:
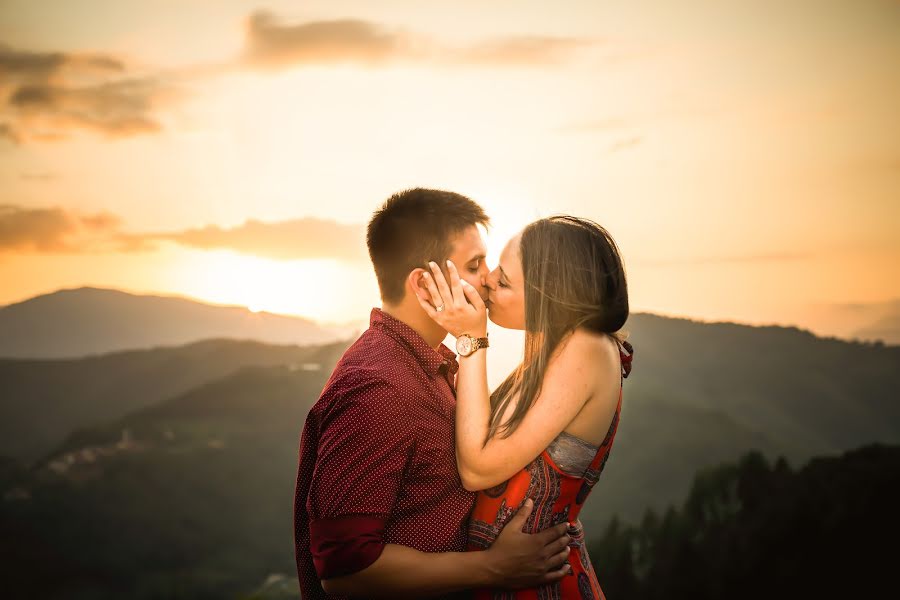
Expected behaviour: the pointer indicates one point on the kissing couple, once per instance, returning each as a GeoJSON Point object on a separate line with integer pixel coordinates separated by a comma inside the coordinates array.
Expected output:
{"type": "Point", "coordinates": [414, 480]}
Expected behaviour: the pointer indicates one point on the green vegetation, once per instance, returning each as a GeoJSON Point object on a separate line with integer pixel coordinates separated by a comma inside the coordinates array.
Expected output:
{"type": "Point", "coordinates": [751, 530]}
{"type": "Point", "coordinates": [173, 471]}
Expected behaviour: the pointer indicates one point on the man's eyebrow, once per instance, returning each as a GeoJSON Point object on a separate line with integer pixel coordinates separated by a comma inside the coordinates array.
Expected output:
{"type": "Point", "coordinates": [477, 257]}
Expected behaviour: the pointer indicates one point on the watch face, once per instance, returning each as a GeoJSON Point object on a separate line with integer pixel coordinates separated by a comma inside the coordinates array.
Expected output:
{"type": "Point", "coordinates": [464, 345]}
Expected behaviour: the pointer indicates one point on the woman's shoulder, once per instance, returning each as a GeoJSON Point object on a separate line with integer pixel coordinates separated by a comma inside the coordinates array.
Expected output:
{"type": "Point", "coordinates": [598, 344]}
{"type": "Point", "coordinates": [606, 353]}
{"type": "Point", "coordinates": [580, 352]}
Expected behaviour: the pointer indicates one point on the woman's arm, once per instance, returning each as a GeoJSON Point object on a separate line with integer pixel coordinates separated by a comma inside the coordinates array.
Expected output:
{"type": "Point", "coordinates": [567, 386]}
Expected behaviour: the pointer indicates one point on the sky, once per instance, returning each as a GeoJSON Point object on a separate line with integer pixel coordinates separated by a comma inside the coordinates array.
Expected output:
{"type": "Point", "coordinates": [745, 156]}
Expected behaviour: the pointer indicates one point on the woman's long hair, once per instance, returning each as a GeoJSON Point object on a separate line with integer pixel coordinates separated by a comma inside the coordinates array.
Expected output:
{"type": "Point", "coordinates": [574, 277]}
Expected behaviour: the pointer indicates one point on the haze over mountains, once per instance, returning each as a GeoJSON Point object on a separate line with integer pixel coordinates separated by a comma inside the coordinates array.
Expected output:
{"type": "Point", "coordinates": [76, 322]}
{"type": "Point", "coordinates": [45, 400]}
{"type": "Point", "coordinates": [863, 321]}
{"type": "Point", "coordinates": [70, 323]}
{"type": "Point", "coordinates": [147, 471]}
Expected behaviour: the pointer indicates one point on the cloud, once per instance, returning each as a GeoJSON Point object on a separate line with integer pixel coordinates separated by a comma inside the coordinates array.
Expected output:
{"type": "Point", "coordinates": [40, 176]}
{"type": "Point", "coordinates": [114, 109]}
{"type": "Point", "coordinates": [54, 230]}
{"type": "Point", "coordinates": [625, 143]}
{"type": "Point", "coordinates": [527, 50]}
{"type": "Point", "coordinates": [23, 66]}
{"type": "Point", "coordinates": [48, 95]}
{"type": "Point", "coordinates": [8, 133]}
{"type": "Point", "coordinates": [285, 240]}
{"type": "Point", "coordinates": [57, 230]}
{"type": "Point", "coordinates": [271, 43]}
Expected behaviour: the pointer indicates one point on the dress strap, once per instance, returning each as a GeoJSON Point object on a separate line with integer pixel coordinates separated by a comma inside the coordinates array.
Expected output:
{"type": "Point", "coordinates": [626, 354]}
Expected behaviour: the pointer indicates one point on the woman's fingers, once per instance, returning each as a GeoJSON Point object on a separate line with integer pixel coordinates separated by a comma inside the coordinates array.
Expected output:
{"type": "Point", "coordinates": [473, 296]}
{"type": "Point", "coordinates": [441, 282]}
{"type": "Point", "coordinates": [459, 297]}
{"type": "Point", "coordinates": [436, 298]}
{"type": "Point", "coordinates": [427, 307]}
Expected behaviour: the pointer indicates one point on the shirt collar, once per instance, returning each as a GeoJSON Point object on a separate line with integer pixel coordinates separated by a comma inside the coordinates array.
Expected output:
{"type": "Point", "coordinates": [432, 361]}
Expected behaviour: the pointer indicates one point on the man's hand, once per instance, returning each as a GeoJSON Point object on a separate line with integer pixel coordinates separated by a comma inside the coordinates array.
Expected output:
{"type": "Point", "coordinates": [515, 560]}
{"type": "Point", "coordinates": [520, 560]}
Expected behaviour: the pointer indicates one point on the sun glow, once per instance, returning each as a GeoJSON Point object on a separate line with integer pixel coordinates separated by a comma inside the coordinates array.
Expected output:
{"type": "Point", "coordinates": [505, 208]}
{"type": "Point", "coordinates": [324, 290]}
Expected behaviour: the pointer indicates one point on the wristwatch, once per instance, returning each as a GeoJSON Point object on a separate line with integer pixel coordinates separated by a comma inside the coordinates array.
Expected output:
{"type": "Point", "coordinates": [466, 344]}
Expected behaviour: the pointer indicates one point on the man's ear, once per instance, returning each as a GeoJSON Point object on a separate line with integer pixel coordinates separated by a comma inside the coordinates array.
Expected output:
{"type": "Point", "coordinates": [416, 284]}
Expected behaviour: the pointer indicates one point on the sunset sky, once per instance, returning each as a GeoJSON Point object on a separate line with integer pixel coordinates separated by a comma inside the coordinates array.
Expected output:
{"type": "Point", "coordinates": [744, 155]}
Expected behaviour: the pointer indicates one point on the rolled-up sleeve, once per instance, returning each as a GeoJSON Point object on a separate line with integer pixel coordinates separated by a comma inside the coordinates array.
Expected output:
{"type": "Point", "coordinates": [365, 443]}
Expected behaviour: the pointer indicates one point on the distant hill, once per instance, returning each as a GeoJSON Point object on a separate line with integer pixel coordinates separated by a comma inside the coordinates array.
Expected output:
{"type": "Point", "coordinates": [703, 393]}
{"type": "Point", "coordinates": [78, 322]}
{"type": "Point", "coordinates": [193, 493]}
{"type": "Point", "coordinates": [886, 328]}
{"type": "Point", "coordinates": [45, 400]}
{"type": "Point", "coordinates": [190, 498]}
{"type": "Point", "coordinates": [856, 320]}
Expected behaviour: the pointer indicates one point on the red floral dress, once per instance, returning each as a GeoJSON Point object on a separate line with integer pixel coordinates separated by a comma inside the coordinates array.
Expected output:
{"type": "Point", "coordinates": [558, 496]}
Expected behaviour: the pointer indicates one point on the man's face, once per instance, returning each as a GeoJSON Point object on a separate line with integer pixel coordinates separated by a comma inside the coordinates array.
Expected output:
{"type": "Point", "coordinates": [468, 252]}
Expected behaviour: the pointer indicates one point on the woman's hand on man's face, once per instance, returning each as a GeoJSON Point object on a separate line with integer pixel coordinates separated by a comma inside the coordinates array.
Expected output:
{"type": "Point", "coordinates": [463, 309]}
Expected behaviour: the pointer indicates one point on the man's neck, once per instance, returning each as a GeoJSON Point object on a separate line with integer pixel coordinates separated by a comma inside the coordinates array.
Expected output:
{"type": "Point", "coordinates": [415, 317]}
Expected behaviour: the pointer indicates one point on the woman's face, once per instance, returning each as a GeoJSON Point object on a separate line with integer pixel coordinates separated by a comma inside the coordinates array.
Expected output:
{"type": "Point", "coordinates": [506, 288]}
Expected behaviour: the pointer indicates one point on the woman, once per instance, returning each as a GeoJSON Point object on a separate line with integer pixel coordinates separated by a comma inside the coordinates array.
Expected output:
{"type": "Point", "coordinates": [547, 430]}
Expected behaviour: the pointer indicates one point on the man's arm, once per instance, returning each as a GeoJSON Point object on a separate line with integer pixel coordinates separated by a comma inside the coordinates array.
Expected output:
{"type": "Point", "coordinates": [362, 452]}
{"type": "Point", "coordinates": [515, 560]}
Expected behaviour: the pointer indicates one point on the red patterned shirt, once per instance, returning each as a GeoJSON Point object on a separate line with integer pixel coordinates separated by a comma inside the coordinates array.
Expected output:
{"type": "Point", "coordinates": [378, 458]}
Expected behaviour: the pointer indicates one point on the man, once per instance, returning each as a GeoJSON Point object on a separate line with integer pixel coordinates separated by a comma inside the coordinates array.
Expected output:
{"type": "Point", "coordinates": [379, 509]}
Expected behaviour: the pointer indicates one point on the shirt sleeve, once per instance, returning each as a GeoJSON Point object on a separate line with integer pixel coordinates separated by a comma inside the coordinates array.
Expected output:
{"type": "Point", "coordinates": [365, 443]}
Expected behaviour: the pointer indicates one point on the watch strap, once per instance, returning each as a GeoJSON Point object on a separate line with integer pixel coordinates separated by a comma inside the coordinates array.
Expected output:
{"type": "Point", "coordinates": [478, 343]}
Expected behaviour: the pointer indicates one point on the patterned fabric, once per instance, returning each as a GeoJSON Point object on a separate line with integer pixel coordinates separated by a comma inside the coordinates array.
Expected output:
{"type": "Point", "coordinates": [558, 496]}
{"type": "Point", "coordinates": [377, 458]}
{"type": "Point", "coordinates": [571, 454]}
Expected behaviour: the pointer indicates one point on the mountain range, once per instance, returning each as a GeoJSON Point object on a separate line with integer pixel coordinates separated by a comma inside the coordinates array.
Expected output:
{"type": "Point", "coordinates": [170, 471]}
{"type": "Point", "coordinates": [77, 322]}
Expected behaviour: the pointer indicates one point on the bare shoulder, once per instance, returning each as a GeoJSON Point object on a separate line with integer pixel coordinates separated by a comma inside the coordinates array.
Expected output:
{"type": "Point", "coordinates": [595, 345]}
{"type": "Point", "coordinates": [587, 349]}
{"type": "Point", "coordinates": [600, 351]}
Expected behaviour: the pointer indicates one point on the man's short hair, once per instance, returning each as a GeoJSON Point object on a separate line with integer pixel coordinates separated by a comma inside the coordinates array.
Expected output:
{"type": "Point", "coordinates": [413, 227]}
